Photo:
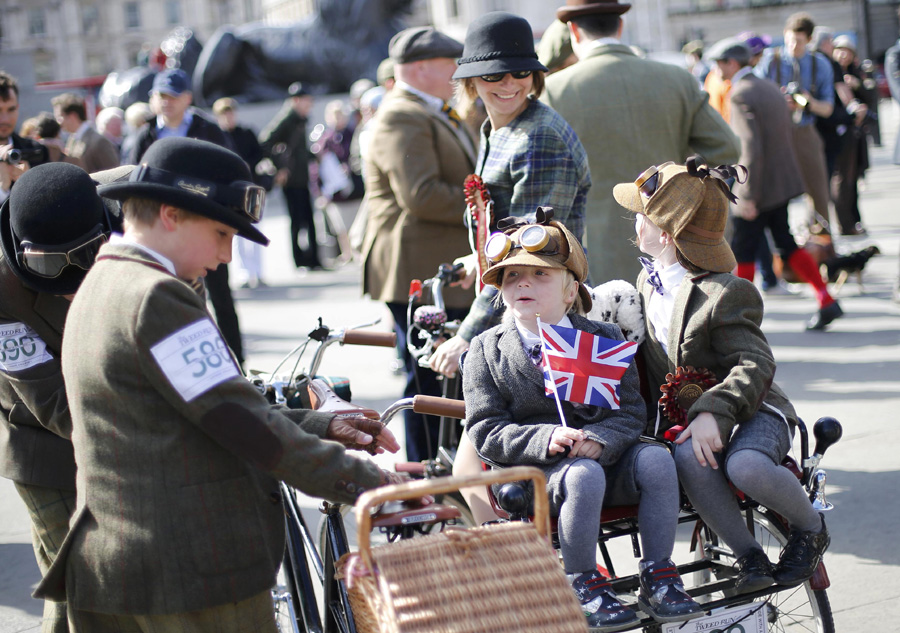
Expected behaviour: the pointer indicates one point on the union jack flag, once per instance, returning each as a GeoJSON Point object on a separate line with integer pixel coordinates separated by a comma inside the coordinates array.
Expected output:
{"type": "Point", "coordinates": [586, 368]}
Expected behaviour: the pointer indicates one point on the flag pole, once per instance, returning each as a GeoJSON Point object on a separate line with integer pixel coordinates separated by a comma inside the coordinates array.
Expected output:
{"type": "Point", "coordinates": [546, 363]}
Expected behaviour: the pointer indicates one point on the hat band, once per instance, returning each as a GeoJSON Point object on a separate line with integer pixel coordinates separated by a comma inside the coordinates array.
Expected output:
{"type": "Point", "coordinates": [696, 230]}
{"type": "Point", "coordinates": [245, 197]}
{"type": "Point", "coordinates": [495, 55]}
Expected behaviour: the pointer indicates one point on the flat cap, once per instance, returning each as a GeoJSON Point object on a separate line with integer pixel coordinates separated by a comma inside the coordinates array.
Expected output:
{"type": "Point", "coordinates": [729, 48]}
{"type": "Point", "coordinates": [844, 41]}
{"type": "Point", "coordinates": [422, 42]}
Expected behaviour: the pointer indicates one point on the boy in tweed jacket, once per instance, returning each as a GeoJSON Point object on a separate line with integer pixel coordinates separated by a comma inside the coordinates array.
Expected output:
{"type": "Point", "coordinates": [597, 458]}
{"type": "Point", "coordinates": [699, 315]}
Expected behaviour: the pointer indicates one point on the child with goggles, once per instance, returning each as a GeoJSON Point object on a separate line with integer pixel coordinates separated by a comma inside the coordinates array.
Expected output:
{"type": "Point", "coordinates": [594, 457]}
{"type": "Point", "coordinates": [700, 315]}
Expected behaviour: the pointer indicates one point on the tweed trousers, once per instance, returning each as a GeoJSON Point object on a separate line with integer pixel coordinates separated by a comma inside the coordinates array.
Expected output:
{"type": "Point", "coordinates": [810, 152]}
{"type": "Point", "coordinates": [253, 615]}
{"type": "Point", "coordinates": [50, 510]}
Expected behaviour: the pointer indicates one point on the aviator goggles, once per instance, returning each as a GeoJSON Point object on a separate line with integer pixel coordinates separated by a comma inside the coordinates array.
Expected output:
{"type": "Point", "coordinates": [50, 261]}
{"type": "Point", "coordinates": [648, 182]}
{"type": "Point", "coordinates": [534, 239]}
{"type": "Point", "coordinates": [243, 196]}
{"type": "Point", "coordinates": [516, 74]}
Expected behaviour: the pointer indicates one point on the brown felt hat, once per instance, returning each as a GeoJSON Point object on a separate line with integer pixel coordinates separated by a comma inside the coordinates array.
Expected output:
{"type": "Point", "coordinates": [563, 252]}
{"type": "Point", "coordinates": [578, 8]}
{"type": "Point", "coordinates": [691, 207]}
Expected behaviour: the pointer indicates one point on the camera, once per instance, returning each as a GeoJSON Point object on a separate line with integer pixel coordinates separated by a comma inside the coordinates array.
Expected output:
{"type": "Point", "coordinates": [16, 156]}
{"type": "Point", "coordinates": [793, 89]}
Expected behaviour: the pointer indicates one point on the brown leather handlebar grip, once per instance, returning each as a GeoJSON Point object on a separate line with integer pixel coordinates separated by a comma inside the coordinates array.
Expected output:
{"type": "Point", "coordinates": [435, 405]}
{"type": "Point", "coordinates": [377, 339]}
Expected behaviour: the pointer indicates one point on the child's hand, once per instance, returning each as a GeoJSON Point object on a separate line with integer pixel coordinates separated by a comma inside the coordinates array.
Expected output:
{"type": "Point", "coordinates": [706, 438]}
{"type": "Point", "coordinates": [564, 438]}
{"type": "Point", "coordinates": [590, 449]}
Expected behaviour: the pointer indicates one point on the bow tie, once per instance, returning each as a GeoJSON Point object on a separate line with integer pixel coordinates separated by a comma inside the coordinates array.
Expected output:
{"type": "Point", "coordinates": [652, 275]}
{"type": "Point", "coordinates": [535, 353]}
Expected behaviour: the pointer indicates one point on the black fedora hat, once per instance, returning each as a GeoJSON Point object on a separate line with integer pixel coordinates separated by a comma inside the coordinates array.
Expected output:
{"type": "Point", "coordinates": [197, 176]}
{"type": "Point", "coordinates": [52, 205]}
{"type": "Point", "coordinates": [498, 42]}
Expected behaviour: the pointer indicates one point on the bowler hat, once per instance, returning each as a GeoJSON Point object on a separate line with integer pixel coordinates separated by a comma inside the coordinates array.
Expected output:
{"type": "Point", "coordinates": [498, 42]}
{"type": "Point", "coordinates": [578, 8]}
{"type": "Point", "coordinates": [563, 251]}
{"type": "Point", "coordinates": [420, 43]}
{"type": "Point", "coordinates": [197, 176]}
{"type": "Point", "coordinates": [52, 205]}
{"type": "Point", "coordinates": [173, 82]}
{"type": "Point", "coordinates": [729, 48]}
{"type": "Point", "coordinates": [691, 205]}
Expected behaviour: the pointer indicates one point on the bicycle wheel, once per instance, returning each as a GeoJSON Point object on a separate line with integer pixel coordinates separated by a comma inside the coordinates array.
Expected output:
{"type": "Point", "coordinates": [378, 538]}
{"type": "Point", "coordinates": [796, 609]}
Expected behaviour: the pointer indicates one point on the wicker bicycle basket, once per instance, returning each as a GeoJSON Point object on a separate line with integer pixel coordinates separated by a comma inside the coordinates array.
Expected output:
{"type": "Point", "coordinates": [497, 578]}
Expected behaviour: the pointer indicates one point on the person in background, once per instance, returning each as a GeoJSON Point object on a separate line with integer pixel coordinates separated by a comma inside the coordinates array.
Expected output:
{"type": "Point", "coordinates": [284, 141]}
{"type": "Point", "coordinates": [137, 116]}
{"type": "Point", "coordinates": [111, 124]}
{"type": "Point", "coordinates": [45, 130]}
{"type": "Point", "coordinates": [245, 145]}
{"type": "Point", "coordinates": [385, 74]}
{"type": "Point", "coordinates": [693, 57]}
{"type": "Point", "coordinates": [84, 142]}
{"type": "Point", "coordinates": [9, 140]}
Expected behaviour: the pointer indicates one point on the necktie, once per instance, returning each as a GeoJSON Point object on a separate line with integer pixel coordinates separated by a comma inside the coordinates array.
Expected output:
{"type": "Point", "coordinates": [452, 114]}
{"type": "Point", "coordinates": [653, 276]}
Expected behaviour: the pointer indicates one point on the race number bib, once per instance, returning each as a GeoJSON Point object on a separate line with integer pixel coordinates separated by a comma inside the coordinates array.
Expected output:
{"type": "Point", "coordinates": [21, 348]}
{"type": "Point", "coordinates": [195, 359]}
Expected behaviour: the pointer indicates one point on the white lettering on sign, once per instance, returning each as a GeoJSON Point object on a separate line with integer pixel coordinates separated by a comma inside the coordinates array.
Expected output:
{"type": "Point", "coordinates": [21, 348]}
{"type": "Point", "coordinates": [195, 359]}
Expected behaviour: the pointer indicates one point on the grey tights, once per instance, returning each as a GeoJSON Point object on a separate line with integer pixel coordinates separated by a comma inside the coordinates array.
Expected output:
{"type": "Point", "coordinates": [584, 486]}
{"type": "Point", "coordinates": [755, 474]}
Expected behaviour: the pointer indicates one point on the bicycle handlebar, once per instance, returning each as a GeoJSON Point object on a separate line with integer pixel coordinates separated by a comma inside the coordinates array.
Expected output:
{"type": "Point", "coordinates": [435, 405]}
{"type": "Point", "coordinates": [376, 339]}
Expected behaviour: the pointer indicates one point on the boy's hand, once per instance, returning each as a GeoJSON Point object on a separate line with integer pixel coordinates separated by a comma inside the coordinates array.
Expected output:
{"type": "Point", "coordinates": [590, 449]}
{"type": "Point", "coordinates": [563, 439]}
{"type": "Point", "coordinates": [706, 439]}
{"type": "Point", "coordinates": [361, 433]}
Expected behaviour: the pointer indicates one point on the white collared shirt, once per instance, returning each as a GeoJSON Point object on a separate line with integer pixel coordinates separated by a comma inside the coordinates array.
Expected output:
{"type": "Point", "coordinates": [661, 306]}
{"type": "Point", "coordinates": [601, 41]}
{"type": "Point", "coordinates": [435, 103]}
{"type": "Point", "coordinates": [530, 339]}
{"type": "Point", "coordinates": [118, 238]}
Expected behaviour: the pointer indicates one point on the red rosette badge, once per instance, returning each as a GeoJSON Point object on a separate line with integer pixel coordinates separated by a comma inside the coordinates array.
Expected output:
{"type": "Point", "coordinates": [681, 391]}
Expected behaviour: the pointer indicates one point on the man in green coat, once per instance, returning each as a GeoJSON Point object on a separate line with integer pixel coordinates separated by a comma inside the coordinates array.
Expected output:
{"type": "Point", "coordinates": [628, 113]}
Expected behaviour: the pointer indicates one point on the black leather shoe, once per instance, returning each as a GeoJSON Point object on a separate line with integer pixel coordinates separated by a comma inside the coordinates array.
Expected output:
{"type": "Point", "coordinates": [801, 556]}
{"type": "Point", "coordinates": [825, 316]}
{"type": "Point", "coordinates": [754, 572]}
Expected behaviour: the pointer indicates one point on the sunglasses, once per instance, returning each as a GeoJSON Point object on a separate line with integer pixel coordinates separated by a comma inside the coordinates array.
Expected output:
{"type": "Point", "coordinates": [534, 239]}
{"type": "Point", "coordinates": [516, 74]}
{"type": "Point", "coordinates": [246, 197]}
{"type": "Point", "coordinates": [49, 264]}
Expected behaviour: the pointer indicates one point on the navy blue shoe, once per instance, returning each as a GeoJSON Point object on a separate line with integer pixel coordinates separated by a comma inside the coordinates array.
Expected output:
{"type": "Point", "coordinates": [599, 602]}
{"type": "Point", "coordinates": [662, 595]}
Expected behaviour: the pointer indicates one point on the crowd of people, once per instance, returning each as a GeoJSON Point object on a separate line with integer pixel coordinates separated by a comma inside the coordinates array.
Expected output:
{"type": "Point", "coordinates": [591, 154]}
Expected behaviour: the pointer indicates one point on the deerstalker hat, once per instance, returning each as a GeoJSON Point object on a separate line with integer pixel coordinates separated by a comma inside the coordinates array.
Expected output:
{"type": "Point", "coordinates": [197, 176]}
{"type": "Point", "coordinates": [577, 8]}
{"type": "Point", "coordinates": [690, 203]}
{"type": "Point", "coordinates": [420, 43]}
{"type": "Point", "coordinates": [498, 42]}
{"type": "Point", "coordinates": [562, 251]}
{"type": "Point", "coordinates": [52, 205]}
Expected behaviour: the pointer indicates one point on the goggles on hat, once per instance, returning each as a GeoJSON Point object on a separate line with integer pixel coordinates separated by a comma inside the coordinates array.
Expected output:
{"type": "Point", "coordinates": [534, 239]}
{"type": "Point", "coordinates": [648, 182]}
{"type": "Point", "coordinates": [246, 197]}
{"type": "Point", "coordinates": [517, 74]}
{"type": "Point", "coordinates": [50, 261]}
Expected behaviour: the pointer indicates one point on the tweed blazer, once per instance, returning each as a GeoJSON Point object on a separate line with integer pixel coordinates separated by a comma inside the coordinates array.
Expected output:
{"type": "Point", "coordinates": [177, 501]}
{"type": "Point", "coordinates": [510, 420]}
{"type": "Point", "coordinates": [95, 151]}
{"type": "Point", "coordinates": [631, 113]}
{"type": "Point", "coordinates": [762, 121]}
{"type": "Point", "coordinates": [415, 169]}
{"type": "Point", "coordinates": [715, 326]}
{"type": "Point", "coordinates": [34, 413]}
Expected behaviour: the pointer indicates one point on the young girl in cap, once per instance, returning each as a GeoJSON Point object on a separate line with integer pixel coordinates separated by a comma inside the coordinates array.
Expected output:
{"type": "Point", "coordinates": [701, 316]}
{"type": "Point", "coordinates": [595, 457]}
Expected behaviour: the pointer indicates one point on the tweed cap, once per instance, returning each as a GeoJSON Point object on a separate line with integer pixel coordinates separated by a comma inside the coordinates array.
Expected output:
{"type": "Point", "coordinates": [729, 48]}
{"type": "Point", "coordinates": [420, 43]}
{"type": "Point", "coordinates": [385, 71]}
{"type": "Point", "coordinates": [577, 8]}
{"type": "Point", "coordinates": [568, 255]}
{"type": "Point", "coordinates": [498, 42]}
{"type": "Point", "coordinates": [52, 205]}
{"type": "Point", "coordinates": [691, 206]}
